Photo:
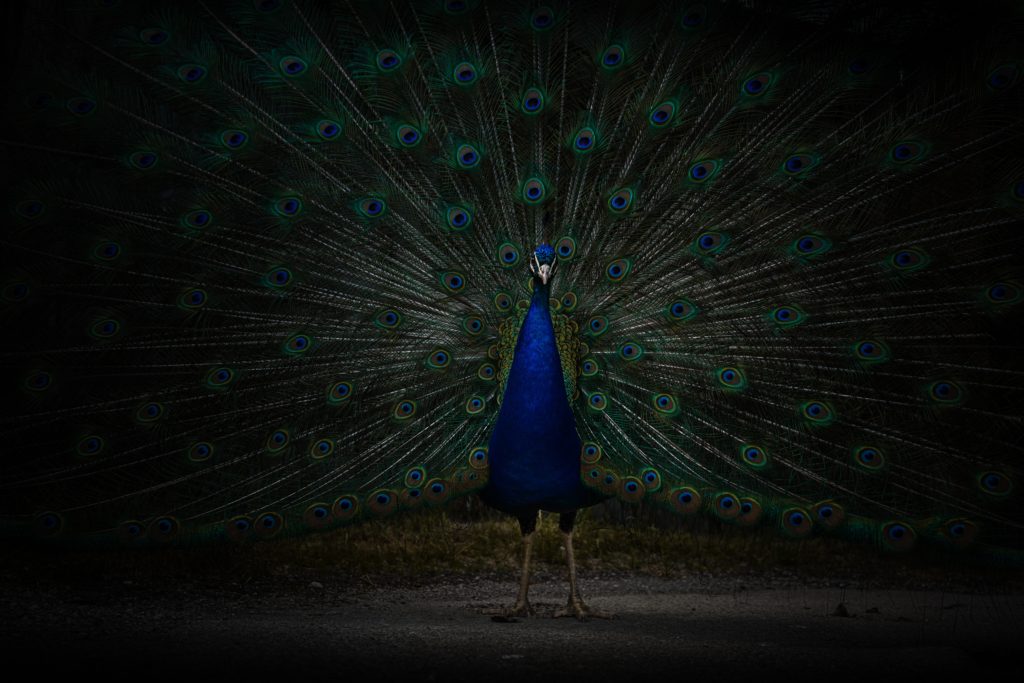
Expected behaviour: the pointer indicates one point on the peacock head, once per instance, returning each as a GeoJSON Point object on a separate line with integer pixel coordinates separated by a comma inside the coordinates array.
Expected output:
{"type": "Point", "coordinates": [542, 265]}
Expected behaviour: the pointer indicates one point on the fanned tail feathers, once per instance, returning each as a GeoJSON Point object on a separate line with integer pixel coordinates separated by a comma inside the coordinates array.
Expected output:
{"type": "Point", "coordinates": [265, 263]}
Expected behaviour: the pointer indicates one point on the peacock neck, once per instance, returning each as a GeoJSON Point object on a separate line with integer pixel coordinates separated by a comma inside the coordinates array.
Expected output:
{"type": "Point", "coordinates": [535, 379]}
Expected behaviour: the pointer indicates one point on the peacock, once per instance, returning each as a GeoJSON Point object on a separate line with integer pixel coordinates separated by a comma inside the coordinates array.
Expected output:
{"type": "Point", "coordinates": [278, 266]}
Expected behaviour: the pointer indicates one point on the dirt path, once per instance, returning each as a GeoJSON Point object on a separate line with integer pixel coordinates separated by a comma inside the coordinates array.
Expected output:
{"type": "Point", "coordinates": [302, 628]}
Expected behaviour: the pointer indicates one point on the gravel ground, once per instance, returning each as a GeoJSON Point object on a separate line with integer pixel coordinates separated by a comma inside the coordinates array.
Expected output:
{"type": "Point", "coordinates": [323, 624]}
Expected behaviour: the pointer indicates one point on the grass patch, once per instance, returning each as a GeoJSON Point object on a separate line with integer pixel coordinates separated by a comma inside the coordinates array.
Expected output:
{"type": "Point", "coordinates": [470, 539]}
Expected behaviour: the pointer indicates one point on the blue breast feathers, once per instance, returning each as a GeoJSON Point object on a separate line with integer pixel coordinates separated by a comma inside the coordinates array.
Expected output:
{"type": "Point", "coordinates": [534, 449]}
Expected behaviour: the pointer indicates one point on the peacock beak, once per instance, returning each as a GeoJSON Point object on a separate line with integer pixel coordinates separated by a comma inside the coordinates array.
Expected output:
{"type": "Point", "coordinates": [542, 270]}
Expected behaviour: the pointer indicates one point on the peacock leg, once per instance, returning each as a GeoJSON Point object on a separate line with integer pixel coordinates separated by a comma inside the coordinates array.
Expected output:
{"type": "Point", "coordinates": [575, 606]}
{"type": "Point", "coordinates": [528, 526]}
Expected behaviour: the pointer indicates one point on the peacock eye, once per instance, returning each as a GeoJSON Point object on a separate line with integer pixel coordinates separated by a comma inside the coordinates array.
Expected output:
{"type": "Point", "coordinates": [565, 248]}
{"type": "Point", "coordinates": [107, 251]}
{"type": "Point", "coordinates": [458, 218]}
{"type": "Point", "coordinates": [81, 106]}
{"type": "Point", "coordinates": [192, 73]}
{"type": "Point", "coordinates": [731, 378]}
{"type": "Point", "coordinates": [439, 359]}
{"type": "Point", "coordinates": [817, 412]}
{"type": "Point", "coordinates": [200, 218]}
{"type": "Point", "coordinates": [502, 301]}
{"type": "Point", "coordinates": [475, 405]}
{"type": "Point", "coordinates": [787, 316]}
{"type": "Point", "coordinates": [104, 328]}
{"type": "Point", "coordinates": [154, 36]}
{"type": "Point", "coordinates": [945, 391]}
{"type": "Point", "coordinates": [811, 245]}
{"type": "Point", "coordinates": [327, 129]}
{"type": "Point", "coordinates": [404, 410]}
{"type": "Point", "coordinates": [91, 444]}
{"type": "Point", "coordinates": [278, 278]}
{"type": "Point", "coordinates": [371, 207]}
{"type": "Point", "coordinates": [219, 377]}
{"type": "Point", "coordinates": [618, 269]}
{"type": "Point", "coordinates": [322, 448]}
{"type": "Point", "coordinates": [597, 325]}
{"type": "Point", "coordinates": [758, 84]}
{"type": "Point", "coordinates": [534, 191]}
{"type": "Point", "coordinates": [143, 160]}
{"type": "Point", "coordinates": [30, 208]}
{"type": "Point", "coordinates": [268, 522]}
{"type": "Point", "coordinates": [473, 325]}
{"type": "Point", "coordinates": [298, 344]}
{"type": "Point", "coordinates": [467, 156]}
{"type": "Point", "coordinates": [408, 136]}
{"type": "Point", "coordinates": [542, 18]}
{"type": "Point", "coordinates": [200, 451]}
{"type": "Point", "coordinates": [453, 281]}
{"type": "Point", "coordinates": [1003, 77]}
{"type": "Point", "coordinates": [585, 139]}
{"type": "Point", "coordinates": [16, 291]}
{"type": "Point", "coordinates": [798, 164]}
{"type": "Point", "coordinates": [662, 114]}
{"type": "Point", "coordinates": [621, 201]}
{"type": "Point", "coordinates": [754, 456]}
{"type": "Point", "coordinates": [750, 511]}
{"type": "Point", "coordinates": [710, 243]}
{"type": "Point", "coordinates": [388, 60]}
{"type": "Point", "coordinates": [995, 483]}
{"type": "Point", "coordinates": [631, 351]}
{"type": "Point", "coordinates": [694, 17]}
{"type": "Point", "coordinates": [292, 66]}
{"type": "Point", "coordinates": [40, 101]}
{"type": "Point", "coordinates": [234, 139]}
{"type": "Point", "coordinates": [685, 500]}
{"type": "Point", "coordinates": [532, 101]}
{"type": "Point", "coordinates": [796, 522]}
{"type": "Point", "coordinates": [665, 404]}
{"type": "Point", "coordinates": [681, 310]}
{"type": "Point", "coordinates": [613, 57]}
{"type": "Point", "coordinates": [702, 171]}
{"type": "Point", "coordinates": [508, 254]}
{"type": "Point", "coordinates": [41, 380]}
{"type": "Point", "coordinates": [388, 319]}
{"type": "Point", "coordinates": [871, 351]}
{"type": "Point", "coordinates": [898, 536]}
{"type": "Point", "coordinates": [1003, 293]}
{"type": "Point", "coordinates": [288, 207]}
{"type": "Point", "coordinates": [464, 73]}
{"type": "Point", "coordinates": [164, 528]}
{"type": "Point", "coordinates": [906, 152]}
{"type": "Point", "coordinates": [869, 458]}
{"type": "Point", "coordinates": [150, 412]}
{"type": "Point", "coordinates": [858, 66]}
{"type": "Point", "coordinates": [909, 260]}
{"type": "Point", "coordinates": [339, 392]}
{"type": "Point", "coordinates": [597, 401]}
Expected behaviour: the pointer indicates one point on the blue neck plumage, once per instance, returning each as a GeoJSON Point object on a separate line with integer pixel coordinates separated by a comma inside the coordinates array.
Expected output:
{"type": "Point", "coordinates": [534, 448]}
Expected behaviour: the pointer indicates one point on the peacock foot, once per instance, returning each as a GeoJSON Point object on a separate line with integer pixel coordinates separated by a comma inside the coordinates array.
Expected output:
{"type": "Point", "coordinates": [579, 609]}
{"type": "Point", "coordinates": [522, 608]}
